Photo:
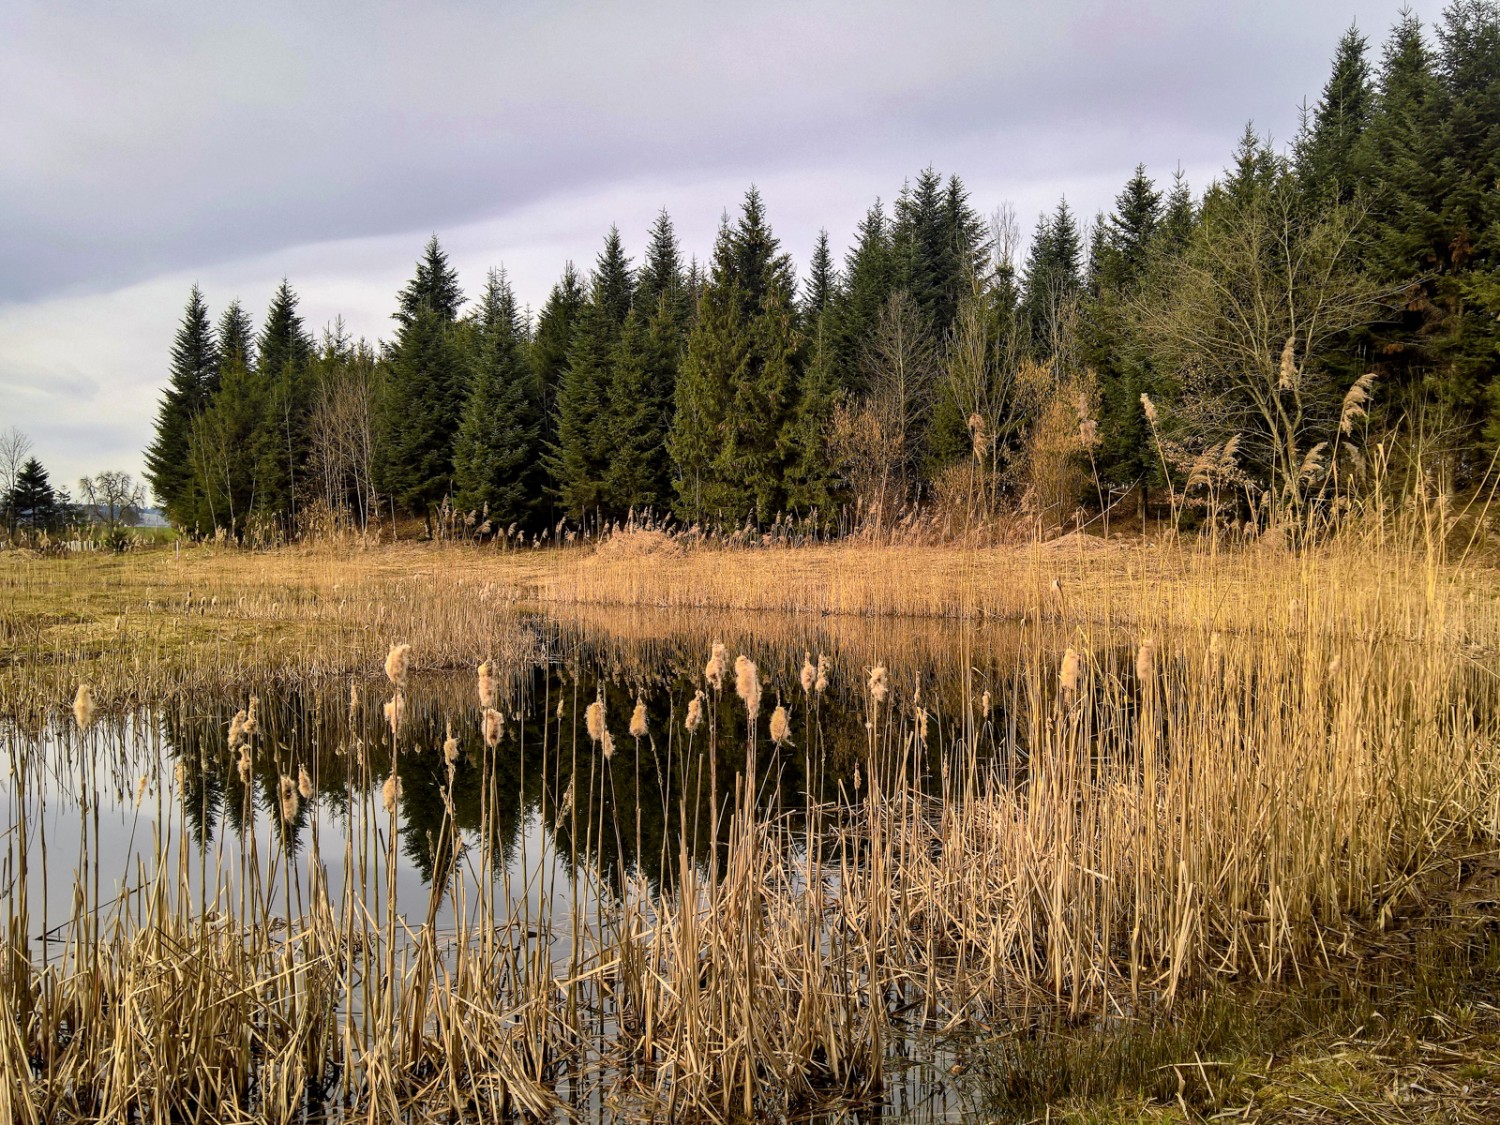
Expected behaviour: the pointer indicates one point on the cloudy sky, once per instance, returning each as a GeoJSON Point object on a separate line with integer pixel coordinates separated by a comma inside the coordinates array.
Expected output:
{"type": "Point", "coordinates": [147, 144]}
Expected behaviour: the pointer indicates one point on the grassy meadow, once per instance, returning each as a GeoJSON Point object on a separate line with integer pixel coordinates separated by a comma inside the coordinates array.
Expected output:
{"type": "Point", "coordinates": [653, 829]}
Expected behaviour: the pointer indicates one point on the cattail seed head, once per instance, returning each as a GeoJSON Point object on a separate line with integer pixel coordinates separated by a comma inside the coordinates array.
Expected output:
{"type": "Point", "coordinates": [717, 666]}
{"type": "Point", "coordinates": [247, 769]}
{"type": "Point", "coordinates": [984, 703]}
{"type": "Point", "coordinates": [304, 783]}
{"type": "Point", "coordinates": [450, 747]}
{"type": "Point", "coordinates": [1288, 367]}
{"type": "Point", "coordinates": [287, 793]}
{"type": "Point", "coordinates": [694, 713]}
{"type": "Point", "coordinates": [1070, 675]}
{"type": "Point", "coordinates": [593, 719]}
{"type": "Point", "coordinates": [397, 662]}
{"type": "Point", "coordinates": [252, 722]}
{"type": "Point", "coordinates": [395, 712]}
{"type": "Point", "coordinates": [638, 720]}
{"type": "Point", "coordinates": [83, 706]}
{"type": "Point", "coordinates": [781, 726]}
{"type": "Point", "coordinates": [922, 723]}
{"type": "Point", "coordinates": [1149, 407]}
{"type": "Point", "coordinates": [353, 697]}
{"type": "Point", "coordinates": [486, 685]}
{"type": "Point", "coordinates": [1145, 659]}
{"type": "Point", "coordinates": [236, 729]}
{"type": "Point", "coordinates": [879, 686]}
{"type": "Point", "coordinates": [821, 685]}
{"type": "Point", "coordinates": [494, 727]}
{"type": "Point", "coordinates": [747, 684]}
{"type": "Point", "coordinates": [390, 793]}
{"type": "Point", "coordinates": [809, 674]}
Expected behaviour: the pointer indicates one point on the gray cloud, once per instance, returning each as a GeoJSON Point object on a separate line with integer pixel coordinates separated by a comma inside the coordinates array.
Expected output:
{"type": "Point", "coordinates": [147, 145]}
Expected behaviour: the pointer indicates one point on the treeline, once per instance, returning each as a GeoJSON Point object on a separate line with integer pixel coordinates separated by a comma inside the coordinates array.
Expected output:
{"type": "Point", "coordinates": [1236, 349]}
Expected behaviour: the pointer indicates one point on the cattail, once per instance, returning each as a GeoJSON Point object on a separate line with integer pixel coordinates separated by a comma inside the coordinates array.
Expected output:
{"type": "Point", "coordinates": [717, 666]}
{"type": "Point", "coordinates": [395, 712]}
{"type": "Point", "coordinates": [390, 793]}
{"type": "Point", "coordinates": [593, 720]}
{"type": "Point", "coordinates": [486, 686]}
{"type": "Point", "coordinates": [1070, 676]}
{"type": "Point", "coordinates": [236, 728]}
{"type": "Point", "coordinates": [695, 713]}
{"type": "Point", "coordinates": [287, 792]}
{"type": "Point", "coordinates": [822, 682]}
{"type": "Point", "coordinates": [181, 774]}
{"type": "Point", "coordinates": [565, 806]}
{"type": "Point", "coordinates": [397, 661]}
{"type": "Point", "coordinates": [304, 783]}
{"type": "Point", "coordinates": [809, 674]}
{"type": "Point", "coordinates": [747, 684]}
{"type": "Point", "coordinates": [1288, 364]}
{"type": "Point", "coordinates": [922, 723]}
{"type": "Point", "coordinates": [781, 726]}
{"type": "Point", "coordinates": [1145, 659]}
{"type": "Point", "coordinates": [607, 744]}
{"type": "Point", "coordinates": [450, 747]}
{"type": "Point", "coordinates": [140, 790]}
{"type": "Point", "coordinates": [494, 727]}
{"type": "Point", "coordinates": [246, 768]}
{"type": "Point", "coordinates": [252, 723]}
{"type": "Point", "coordinates": [879, 686]}
{"type": "Point", "coordinates": [83, 706]}
{"type": "Point", "coordinates": [984, 703]}
{"type": "Point", "coordinates": [353, 698]}
{"type": "Point", "coordinates": [638, 720]}
{"type": "Point", "coordinates": [560, 701]}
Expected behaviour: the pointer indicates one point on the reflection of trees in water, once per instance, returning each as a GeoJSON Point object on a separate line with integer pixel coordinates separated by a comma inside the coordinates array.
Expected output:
{"type": "Point", "coordinates": [631, 814]}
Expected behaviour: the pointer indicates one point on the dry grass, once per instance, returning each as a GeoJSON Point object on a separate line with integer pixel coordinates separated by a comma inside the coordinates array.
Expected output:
{"type": "Point", "coordinates": [1291, 762]}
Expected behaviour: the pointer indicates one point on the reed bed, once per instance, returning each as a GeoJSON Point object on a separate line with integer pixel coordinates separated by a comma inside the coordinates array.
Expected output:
{"type": "Point", "coordinates": [1169, 767]}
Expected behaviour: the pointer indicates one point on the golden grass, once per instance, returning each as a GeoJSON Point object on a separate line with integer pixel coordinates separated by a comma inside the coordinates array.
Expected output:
{"type": "Point", "coordinates": [1155, 767]}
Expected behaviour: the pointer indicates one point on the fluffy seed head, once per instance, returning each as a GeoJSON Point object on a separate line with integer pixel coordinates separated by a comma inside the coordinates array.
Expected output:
{"type": "Point", "coordinates": [304, 783]}
{"type": "Point", "coordinates": [781, 726]}
{"type": "Point", "coordinates": [390, 793]}
{"type": "Point", "coordinates": [747, 684]}
{"type": "Point", "coordinates": [1145, 659]}
{"type": "Point", "coordinates": [695, 713]}
{"type": "Point", "coordinates": [83, 706]}
{"type": "Point", "coordinates": [717, 666]}
{"type": "Point", "coordinates": [287, 792]}
{"type": "Point", "coordinates": [822, 682]}
{"type": "Point", "coordinates": [880, 686]}
{"type": "Point", "coordinates": [486, 685]}
{"type": "Point", "coordinates": [494, 727]}
{"type": "Point", "coordinates": [1288, 367]}
{"type": "Point", "coordinates": [593, 719]}
{"type": "Point", "coordinates": [252, 723]}
{"type": "Point", "coordinates": [397, 661]}
{"type": "Point", "coordinates": [638, 720]}
{"type": "Point", "coordinates": [922, 723]}
{"type": "Point", "coordinates": [236, 728]}
{"type": "Point", "coordinates": [1149, 407]}
{"type": "Point", "coordinates": [984, 703]}
{"type": "Point", "coordinates": [1070, 676]}
{"type": "Point", "coordinates": [450, 747]}
{"type": "Point", "coordinates": [246, 768]}
{"type": "Point", "coordinates": [395, 712]}
{"type": "Point", "coordinates": [809, 674]}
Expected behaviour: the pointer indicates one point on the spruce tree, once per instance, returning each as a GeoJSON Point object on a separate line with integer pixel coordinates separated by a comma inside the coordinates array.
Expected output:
{"type": "Point", "coordinates": [1053, 277]}
{"type": "Point", "coordinates": [496, 451]}
{"type": "Point", "coordinates": [236, 340]}
{"type": "Point", "coordinates": [223, 452]}
{"type": "Point", "coordinates": [32, 504]}
{"type": "Point", "coordinates": [283, 354]}
{"type": "Point", "coordinates": [1326, 153]}
{"type": "Point", "coordinates": [424, 389]}
{"type": "Point", "coordinates": [193, 379]}
{"type": "Point", "coordinates": [822, 280]}
{"type": "Point", "coordinates": [869, 279]}
{"type": "Point", "coordinates": [549, 347]}
{"type": "Point", "coordinates": [580, 458]}
{"type": "Point", "coordinates": [634, 476]}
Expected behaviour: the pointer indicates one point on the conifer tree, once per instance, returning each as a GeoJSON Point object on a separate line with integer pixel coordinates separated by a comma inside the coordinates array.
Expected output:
{"type": "Point", "coordinates": [822, 279]}
{"type": "Point", "coordinates": [32, 503]}
{"type": "Point", "coordinates": [496, 451]}
{"type": "Point", "coordinates": [869, 279]}
{"type": "Point", "coordinates": [283, 352]}
{"type": "Point", "coordinates": [549, 346]}
{"type": "Point", "coordinates": [1326, 153]}
{"type": "Point", "coordinates": [236, 340]}
{"type": "Point", "coordinates": [193, 379]}
{"type": "Point", "coordinates": [424, 389]}
{"type": "Point", "coordinates": [580, 459]}
{"type": "Point", "coordinates": [1053, 276]}
{"type": "Point", "coordinates": [635, 477]}
{"type": "Point", "coordinates": [224, 451]}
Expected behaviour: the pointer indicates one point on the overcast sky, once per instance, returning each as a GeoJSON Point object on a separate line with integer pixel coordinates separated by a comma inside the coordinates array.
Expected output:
{"type": "Point", "coordinates": [147, 145]}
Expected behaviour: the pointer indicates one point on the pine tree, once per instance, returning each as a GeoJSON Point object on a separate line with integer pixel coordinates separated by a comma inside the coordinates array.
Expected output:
{"type": "Point", "coordinates": [1179, 214]}
{"type": "Point", "coordinates": [224, 451]}
{"type": "Point", "coordinates": [283, 352]}
{"type": "Point", "coordinates": [194, 377]}
{"type": "Point", "coordinates": [580, 458]}
{"type": "Point", "coordinates": [1326, 153]}
{"type": "Point", "coordinates": [236, 340]}
{"type": "Point", "coordinates": [423, 393]}
{"type": "Point", "coordinates": [661, 275]}
{"type": "Point", "coordinates": [634, 477]}
{"type": "Point", "coordinates": [869, 280]}
{"type": "Point", "coordinates": [497, 448]}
